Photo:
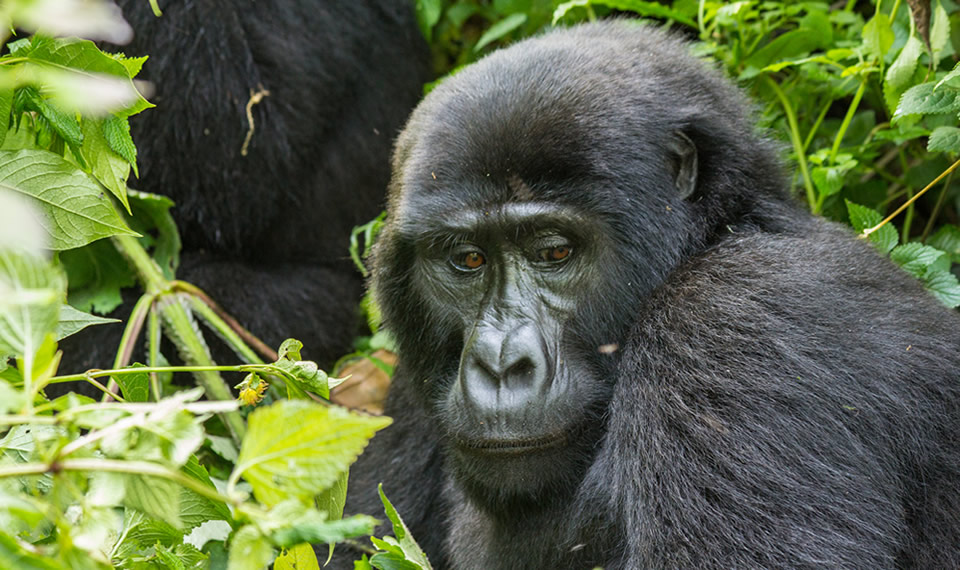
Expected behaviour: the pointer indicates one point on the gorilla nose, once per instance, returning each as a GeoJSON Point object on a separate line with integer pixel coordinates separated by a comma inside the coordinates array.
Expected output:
{"type": "Point", "coordinates": [515, 361]}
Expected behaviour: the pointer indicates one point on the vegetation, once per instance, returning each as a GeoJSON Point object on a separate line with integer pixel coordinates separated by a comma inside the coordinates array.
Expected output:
{"type": "Point", "coordinates": [865, 98]}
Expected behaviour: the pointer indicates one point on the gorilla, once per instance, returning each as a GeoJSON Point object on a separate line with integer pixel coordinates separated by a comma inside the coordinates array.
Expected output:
{"type": "Point", "coordinates": [265, 228]}
{"type": "Point", "coordinates": [622, 344]}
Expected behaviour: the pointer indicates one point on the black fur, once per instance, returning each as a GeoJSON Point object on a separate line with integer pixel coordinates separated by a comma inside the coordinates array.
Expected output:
{"type": "Point", "coordinates": [266, 234]}
{"type": "Point", "coordinates": [768, 391]}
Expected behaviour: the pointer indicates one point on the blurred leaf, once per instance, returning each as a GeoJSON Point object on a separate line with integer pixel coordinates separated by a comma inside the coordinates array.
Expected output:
{"type": "Point", "coordinates": [900, 73]}
{"type": "Point", "coordinates": [96, 273]}
{"type": "Point", "coordinates": [300, 557]}
{"type": "Point", "coordinates": [428, 14]}
{"type": "Point", "coordinates": [500, 29]}
{"type": "Point", "coordinates": [946, 139]}
{"type": "Point", "coordinates": [195, 509]}
{"type": "Point", "coordinates": [31, 293]}
{"type": "Point", "coordinates": [878, 36]}
{"type": "Point", "coordinates": [947, 239]}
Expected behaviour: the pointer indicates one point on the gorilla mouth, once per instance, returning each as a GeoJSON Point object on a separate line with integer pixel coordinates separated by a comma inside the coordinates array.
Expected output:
{"type": "Point", "coordinates": [494, 446]}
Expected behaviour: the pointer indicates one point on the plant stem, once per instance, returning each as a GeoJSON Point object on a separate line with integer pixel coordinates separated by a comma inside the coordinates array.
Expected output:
{"type": "Point", "coordinates": [797, 144]}
{"type": "Point", "coordinates": [906, 204]}
{"type": "Point", "coordinates": [851, 111]}
{"type": "Point", "coordinates": [116, 466]}
{"type": "Point", "coordinates": [179, 325]}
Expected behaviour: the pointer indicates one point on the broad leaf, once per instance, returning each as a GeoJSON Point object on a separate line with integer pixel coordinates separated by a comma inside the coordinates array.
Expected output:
{"type": "Point", "coordinates": [77, 212]}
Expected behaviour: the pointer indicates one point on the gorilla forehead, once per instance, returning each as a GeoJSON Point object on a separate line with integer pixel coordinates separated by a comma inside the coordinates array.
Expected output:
{"type": "Point", "coordinates": [560, 117]}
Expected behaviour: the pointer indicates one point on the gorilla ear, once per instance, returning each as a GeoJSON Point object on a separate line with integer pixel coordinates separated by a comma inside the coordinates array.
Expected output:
{"type": "Point", "coordinates": [684, 163]}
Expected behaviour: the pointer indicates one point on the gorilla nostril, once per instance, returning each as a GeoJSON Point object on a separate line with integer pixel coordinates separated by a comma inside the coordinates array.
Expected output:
{"type": "Point", "coordinates": [524, 370]}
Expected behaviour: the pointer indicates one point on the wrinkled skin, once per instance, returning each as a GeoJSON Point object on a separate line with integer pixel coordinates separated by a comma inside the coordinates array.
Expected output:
{"type": "Point", "coordinates": [621, 344]}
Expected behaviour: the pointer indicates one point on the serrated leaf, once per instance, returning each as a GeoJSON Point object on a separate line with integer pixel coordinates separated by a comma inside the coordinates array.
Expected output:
{"type": "Point", "coordinates": [900, 73]}
{"type": "Point", "coordinates": [878, 36]}
{"type": "Point", "coordinates": [915, 257]}
{"type": "Point", "coordinates": [6, 105]}
{"type": "Point", "coordinates": [117, 132]}
{"type": "Point", "coordinates": [500, 29]}
{"type": "Point", "coordinates": [31, 293]}
{"type": "Point", "coordinates": [299, 448]}
{"type": "Point", "coordinates": [156, 497]}
{"type": "Point", "coordinates": [153, 531]}
{"type": "Point", "coordinates": [947, 239]}
{"type": "Point", "coordinates": [939, 32]}
{"type": "Point", "coordinates": [944, 139]}
{"type": "Point", "coordinates": [924, 100]}
{"type": "Point", "coordinates": [944, 286]}
{"type": "Point", "coordinates": [84, 77]}
{"type": "Point", "coordinates": [133, 65]}
{"type": "Point", "coordinates": [108, 167]}
{"type": "Point", "coordinates": [76, 210]}
{"type": "Point", "coordinates": [862, 218]}
{"type": "Point", "coordinates": [411, 550]}
{"type": "Point", "coordinates": [299, 525]}
{"type": "Point", "coordinates": [195, 509]}
{"type": "Point", "coordinates": [73, 321]}
{"type": "Point", "coordinates": [951, 79]}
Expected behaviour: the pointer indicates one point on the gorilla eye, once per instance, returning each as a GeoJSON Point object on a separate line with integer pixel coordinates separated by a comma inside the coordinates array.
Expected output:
{"type": "Point", "coordinates": [468, 260]}
{"type": "Point", "coordinates": [555, 253]}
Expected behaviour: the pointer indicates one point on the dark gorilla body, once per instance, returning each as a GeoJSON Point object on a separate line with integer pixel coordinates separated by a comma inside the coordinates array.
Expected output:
{"type": "Point", "coordinates": [266, 234]}
{"type": "Point", "coordinates": [621, 344]}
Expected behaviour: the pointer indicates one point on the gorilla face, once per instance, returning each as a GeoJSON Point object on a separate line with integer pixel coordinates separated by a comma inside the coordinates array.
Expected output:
{"type": "Point", "coordinates": [516, 251]}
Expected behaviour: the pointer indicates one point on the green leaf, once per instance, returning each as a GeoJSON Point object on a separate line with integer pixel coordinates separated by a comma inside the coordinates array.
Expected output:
{"type": "Point", "coordinates": [300, 557]}
{"type": "Point", "coordinates": [939, 32]}
{"type": "Point", "coordinates": [108, 167]}
{"type": "Point", "coordinates": [878, 36]}
{"type": "Point", "coordinates": [915, 257]}
{"type": "Point", "coordinates": [945, 139]}
{"type": "Point", "coordinates": [788, 45]}
{"type": "Point", "coordinates": [428, 14]}
{"type": "Point", "coordinates": [944, 286]}
{"type": "Point", "coordinates": [947, 239]}
{"type": "Point", "coordinates": [951, 79]}
{"type": "Point", "coordinates": [862, 218]}
{"type": "Point", "coordinates": [829, 179]}
{"type": "Point", "coordinates": [196, 509]}
{"type": "Point", "coordinates": [155, 497]}
{"type": "Point", "coordinates": [152, 219]}
{"type": "Point", "coordinates": [81, 76]}
{"type": "Point", "coordinates": [77, 211]}
{"type": "Point", "coordinates": [249, 550]}
{"type": "Point", "coordinates": [924, 100]}
{"type": "Point", "coordinates": [96, 273]}
{"type": "Point", "coordinates": [900, 73]}
{"type": "Point", "coordinates": [500, 29]}
{"type": "Point", "coordinates": [136, 386]}
{"type": "Point", "coordinates": [300, 448]}
{"type": "Point", "coordinates": [408, 546]}
{"type": "Point", "coordinates": [133, 65]}
{"type": "Point", "coordinates": [31, 293]}
{"type": "Point", "coordinates": [6, 104]}
{"type": "Point", "coordinates": [116, 130]}
{"type": "Point", "coordinates": [73, 321]}
{"type": "Point", "coordinates": [310, 525]}
{"type": "Point", "coordinates": [12, 555]}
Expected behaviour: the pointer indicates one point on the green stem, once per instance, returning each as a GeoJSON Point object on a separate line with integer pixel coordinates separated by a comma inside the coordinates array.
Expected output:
{"type": "Point", "coordinates": [851, 111]}
{"type": "Point", "coordinates": [797, 144]}
{"type": "Point", "coordinates": [116, 466]}
{"type": "Point", "coordinates": [816, 126]}
{"type": "Point", "coordinates": [179, 326]}
{"type": "Point", "coordinates": [153, 356]}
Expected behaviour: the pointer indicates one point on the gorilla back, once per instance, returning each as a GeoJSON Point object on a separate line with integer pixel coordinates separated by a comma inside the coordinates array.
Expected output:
{"type": "Point", "coordinates": [621, 343]}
